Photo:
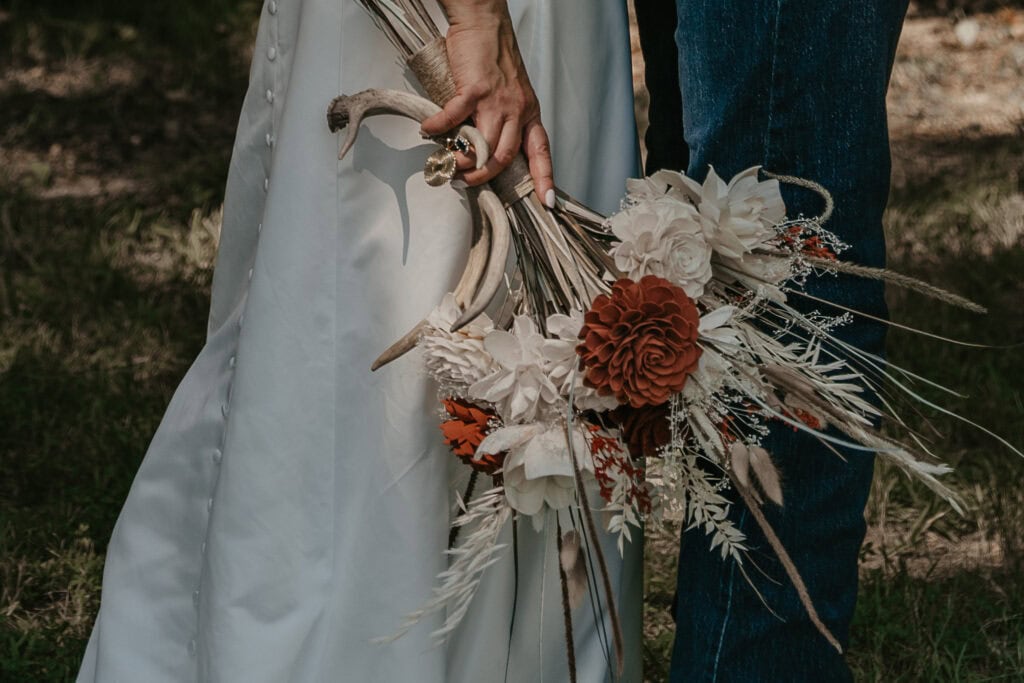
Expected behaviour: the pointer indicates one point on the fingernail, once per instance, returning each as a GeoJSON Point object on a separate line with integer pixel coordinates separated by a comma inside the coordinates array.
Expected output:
{"type": "Point", "coordinates": [549, 198]}
{"type": "Point", "coordinates": [459, 184]}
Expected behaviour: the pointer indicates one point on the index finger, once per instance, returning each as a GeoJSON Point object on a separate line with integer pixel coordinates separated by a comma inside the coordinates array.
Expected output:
{"type": "Point", "coordinates": [456, 111]}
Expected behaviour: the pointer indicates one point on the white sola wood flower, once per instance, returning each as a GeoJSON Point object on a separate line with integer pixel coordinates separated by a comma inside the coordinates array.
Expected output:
{"type": "Point", "coordinates": [519, 385]}
{"type": "Point", "coordinates": [738, 216]}
{"type": "Point", "coordinates": [537, 470]}
{"type": "Point", "coordinates": [663, 183]}
{"type": "Point", "coordinates": [456, 358]}
{"type": "Point", "coordinates": [663, 236]}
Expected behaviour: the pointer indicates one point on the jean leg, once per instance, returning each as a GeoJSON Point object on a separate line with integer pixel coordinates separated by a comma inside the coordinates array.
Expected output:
{"type": "Point", "coordinates": [797, 86]}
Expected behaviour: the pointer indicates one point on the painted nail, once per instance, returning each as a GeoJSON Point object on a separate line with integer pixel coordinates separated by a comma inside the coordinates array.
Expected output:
{"type": "Point", "coordinates": [549, 198]}
{"type": "Point", "coordinates": [459, 184]}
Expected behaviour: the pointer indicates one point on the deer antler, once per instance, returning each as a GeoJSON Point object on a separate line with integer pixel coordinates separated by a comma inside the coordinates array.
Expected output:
{"type": "Point", "coordinates": [350, 110]}
{"type": "Point", "coordinates": [485, 267]}
{"type": "Point", "coordinates": [492, 212]}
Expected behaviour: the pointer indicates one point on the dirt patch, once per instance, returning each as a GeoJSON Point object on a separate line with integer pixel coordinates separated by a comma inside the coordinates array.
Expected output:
{"type": "Point", "coordinates": [955, 92]}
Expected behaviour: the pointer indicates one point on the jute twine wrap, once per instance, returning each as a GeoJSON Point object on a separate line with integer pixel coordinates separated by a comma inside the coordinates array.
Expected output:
{"type": "Point", "coordinates": [435, 75]}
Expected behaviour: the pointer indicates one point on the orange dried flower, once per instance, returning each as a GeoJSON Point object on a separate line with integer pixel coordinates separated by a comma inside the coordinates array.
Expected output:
{"type": "Point", "coordinates": [464, 432]}
{"type": "Point", "coordinates": [806, 417]}
{"type": "Point", "coordinates": [814, 246]}
{"type": "Point", "coordinates": [640, 343]}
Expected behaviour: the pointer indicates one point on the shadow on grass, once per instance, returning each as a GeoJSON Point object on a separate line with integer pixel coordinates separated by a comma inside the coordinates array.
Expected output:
{"type": "Point", "coordinates": [967, 627]}
{"type": "Point", "coordinates": [96, 335]}
{"type": "Point", "coordinates": [121, 122]}
{"type": "Point", "coordinates": [947, 603]}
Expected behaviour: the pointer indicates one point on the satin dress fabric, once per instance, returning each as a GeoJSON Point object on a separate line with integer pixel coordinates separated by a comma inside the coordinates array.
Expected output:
{"type": "Point", "coordinates": [293, 506]}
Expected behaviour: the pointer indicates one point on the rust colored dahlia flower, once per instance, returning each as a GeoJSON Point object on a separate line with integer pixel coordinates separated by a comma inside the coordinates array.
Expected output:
{"type": "Point", "coordinates": [640, 343]}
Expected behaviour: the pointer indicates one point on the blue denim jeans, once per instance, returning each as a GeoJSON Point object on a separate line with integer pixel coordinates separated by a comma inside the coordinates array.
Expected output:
{"type": "Point", "coordinates": [797, 86]}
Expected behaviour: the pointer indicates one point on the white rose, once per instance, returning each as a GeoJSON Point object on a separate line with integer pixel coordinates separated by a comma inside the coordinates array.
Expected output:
{"type": "Point", "coordinates": [663, 236]}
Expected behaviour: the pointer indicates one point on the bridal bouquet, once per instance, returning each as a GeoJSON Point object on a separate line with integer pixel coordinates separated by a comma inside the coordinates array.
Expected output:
{"type": "Point", "coordinates": [657, 397]}
{"type": "Point", "coordinates": [638, 361]}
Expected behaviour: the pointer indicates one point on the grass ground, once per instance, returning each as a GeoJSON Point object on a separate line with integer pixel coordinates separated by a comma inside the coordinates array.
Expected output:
{"type": "Point", "coordinates": [118, 123]}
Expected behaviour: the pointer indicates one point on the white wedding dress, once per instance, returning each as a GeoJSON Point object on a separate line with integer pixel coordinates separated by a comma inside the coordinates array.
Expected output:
{"type": "Point", "coordinates": [293, 505]}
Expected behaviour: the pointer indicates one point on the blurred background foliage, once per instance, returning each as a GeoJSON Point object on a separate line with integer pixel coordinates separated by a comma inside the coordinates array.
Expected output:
{"type": "Point", "coordinates": [118, 121]}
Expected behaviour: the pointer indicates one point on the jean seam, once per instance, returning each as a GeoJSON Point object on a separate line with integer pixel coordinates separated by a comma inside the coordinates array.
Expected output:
{"type": "Point", "coordinates": [731, 582]}
{"type": "Point", "coordinates": [772, 81]}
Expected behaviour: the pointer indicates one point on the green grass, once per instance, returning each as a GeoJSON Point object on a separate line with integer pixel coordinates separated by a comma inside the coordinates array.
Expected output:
{"type": "Point", "coordinates": [967, 627]}
{"type": "Point", "coordinates": [107, 186]}
{"type": "Point", "coordinates": [108, 195]}
{"type": "Point", "coordinates": [947, 603]}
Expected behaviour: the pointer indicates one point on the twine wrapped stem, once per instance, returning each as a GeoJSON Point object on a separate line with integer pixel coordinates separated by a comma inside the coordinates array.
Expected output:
{"type": "Point", "coordinates": [431, 67]}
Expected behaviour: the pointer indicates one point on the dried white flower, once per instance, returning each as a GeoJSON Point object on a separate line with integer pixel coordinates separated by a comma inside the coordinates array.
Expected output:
{"type": "Point", "coordinates": [456, 358]}
{"type": "Point", "coordinates": [740, 216]}
{"type": "Point", "coordinates": [663, 236]}
{"type": "Point", "coordinates": [518, 386]}
{"type": "Point", "coordinates": [563, 362]}
{"type": "Point", "coordinates": [537, 469]}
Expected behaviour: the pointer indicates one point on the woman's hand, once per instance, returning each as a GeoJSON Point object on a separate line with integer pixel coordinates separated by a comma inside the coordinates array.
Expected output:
{"type": "Point", "coordinates": [493, 88]}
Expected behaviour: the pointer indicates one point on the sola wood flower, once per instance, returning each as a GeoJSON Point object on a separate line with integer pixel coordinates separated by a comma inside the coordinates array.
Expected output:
{"type": "Point", "coordinates": [662, 236]}
{"type": "Point", "coordinates": [464, 432]}
{"type": "Point", "coordinates": [519, 385]}
{"type": "Point", "coordinates": [537, 470]}
{"type": "Point", "coordinates": [643, 430]}
{"type": "Point", "coordinates": [640, 343]}
{"type": "Point", "coordinates": [737, 217]}
{"type": "Point", "coordinates": [740, 215]}
{"type": "Point", "coordinates": [560, 350]}
{"type": "Point", "coordinates": [456, 358]}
